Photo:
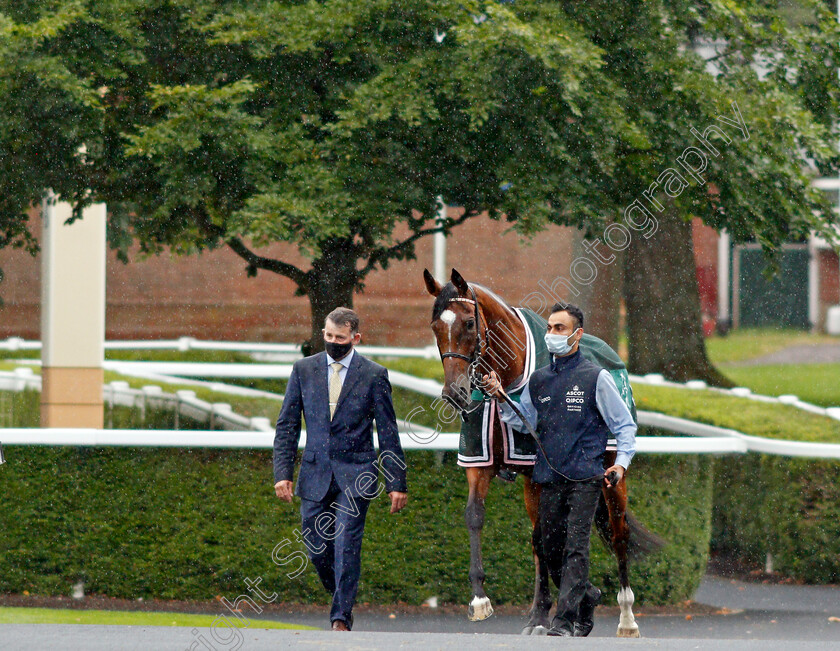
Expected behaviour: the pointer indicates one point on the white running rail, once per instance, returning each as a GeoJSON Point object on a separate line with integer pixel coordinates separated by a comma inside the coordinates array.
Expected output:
{"type": "Point", "coordinates": [714, 440]}
{"type": "Point", "coordinates": [189, 343]}
{"type": "Point", "coordinates": [265, 440]}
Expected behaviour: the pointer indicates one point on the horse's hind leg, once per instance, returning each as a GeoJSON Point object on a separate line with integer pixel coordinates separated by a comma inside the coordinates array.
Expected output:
{"type": "Point", "coordinates": [478, 480]}
{"type": "Point", "coordinates": [538, 615]}
{"type": "Point", "coordinates": [616, 499]}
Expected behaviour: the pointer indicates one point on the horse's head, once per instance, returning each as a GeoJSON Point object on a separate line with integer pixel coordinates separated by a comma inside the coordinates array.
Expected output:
{"type": "Point", "coordinates": [456, 324]}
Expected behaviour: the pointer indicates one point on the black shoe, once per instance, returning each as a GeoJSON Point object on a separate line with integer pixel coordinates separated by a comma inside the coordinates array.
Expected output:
{"type": "Point", "coordinates": [342, 624]}
{"type": "Point", "coordinates": [586, 614]}
{"type": "Point", "coordinates": [560, 632]}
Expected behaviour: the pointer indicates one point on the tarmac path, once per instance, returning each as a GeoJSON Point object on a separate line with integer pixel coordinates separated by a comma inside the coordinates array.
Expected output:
{"type": "Point", "coordinates": [799, 354]}
{"type": "Point", "coordinates": [751, 616]}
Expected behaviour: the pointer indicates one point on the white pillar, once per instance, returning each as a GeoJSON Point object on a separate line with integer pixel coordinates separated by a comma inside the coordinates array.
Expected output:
{"type": "Point", "coordinates": [72, 315]}
{"type": "Point", "coordinates": [723, 276]}
{"type": "Point", "coordinates": [440, 246]}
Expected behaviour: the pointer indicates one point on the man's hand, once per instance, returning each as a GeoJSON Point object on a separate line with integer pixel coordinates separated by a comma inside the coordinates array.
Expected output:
{"type": "Point", "coordinates": [398, 500]}
{"type": "Point", "coordinates": [284, 490]}
{"type": "Point", "coordinates": [618, 470]}
{"type": "Point", "coordinates": [492, 385]}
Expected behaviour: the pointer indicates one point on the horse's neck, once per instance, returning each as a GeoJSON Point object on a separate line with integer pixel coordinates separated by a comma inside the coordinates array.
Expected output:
{"type": "Point", "coordinates": [506, 340]}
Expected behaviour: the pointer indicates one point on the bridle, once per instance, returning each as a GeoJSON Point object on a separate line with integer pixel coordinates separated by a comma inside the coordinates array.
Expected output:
{"type": "Point", "coordinates": [478, 349]}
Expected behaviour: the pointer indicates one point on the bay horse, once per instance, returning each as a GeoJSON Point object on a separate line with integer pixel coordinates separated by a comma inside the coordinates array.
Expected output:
{"type": "Point", "coordinates": [473, 326]}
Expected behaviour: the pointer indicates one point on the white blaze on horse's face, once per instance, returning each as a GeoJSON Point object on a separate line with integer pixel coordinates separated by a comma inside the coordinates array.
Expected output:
{"type": "Point", "coordinates": [448, 317]}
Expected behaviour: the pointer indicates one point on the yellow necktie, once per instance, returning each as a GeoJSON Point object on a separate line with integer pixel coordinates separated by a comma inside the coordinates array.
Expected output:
{"type": "Point", "coordinates": [335, 387]}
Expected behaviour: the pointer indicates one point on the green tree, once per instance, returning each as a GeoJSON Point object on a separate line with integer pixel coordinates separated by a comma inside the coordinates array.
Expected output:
{"type": "Point", "coordinates": [334, 125]}
{"type": "Point", "coordinates": [781, 70]}
{"type": "Point", "coordinates": [47, 113]}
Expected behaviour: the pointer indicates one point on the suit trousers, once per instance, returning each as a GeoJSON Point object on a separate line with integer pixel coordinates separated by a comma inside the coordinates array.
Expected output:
{"type": "Point", "coordinates": [567, 509]}
{"type": "Point", "coordinates": [333, 529]}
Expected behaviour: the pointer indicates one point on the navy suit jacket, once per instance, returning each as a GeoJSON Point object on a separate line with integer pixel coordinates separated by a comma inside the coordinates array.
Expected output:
{"type": "Point", "coordinates": [342, 447]}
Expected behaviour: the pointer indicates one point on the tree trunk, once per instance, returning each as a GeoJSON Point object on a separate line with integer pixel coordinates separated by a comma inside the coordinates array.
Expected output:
{"type": "Point", "coordinates": [331, 283]}
{"type": "Point", "coordinates": [663, 304]}
{"type": "Point", "coordinates": [601, 300]}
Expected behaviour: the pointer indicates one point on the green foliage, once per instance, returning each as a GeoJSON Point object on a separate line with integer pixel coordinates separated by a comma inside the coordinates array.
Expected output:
{"type": "Point", "coordinates": [785, 507]}
{"type": "Point", "coordinates": [23, 409]}
{"type": "Point", "coordinates": [20, 408]}
{"type": "Point", "coordinates": [331, 124]}
{"type": "Point", "coordinates": [193, 524]}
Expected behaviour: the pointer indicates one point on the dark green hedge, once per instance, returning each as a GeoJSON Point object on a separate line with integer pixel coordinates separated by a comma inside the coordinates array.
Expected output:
{"type": "Point", "coordinates": [788, 507]}
{"type": "Point", "coordinates": [193, 524]}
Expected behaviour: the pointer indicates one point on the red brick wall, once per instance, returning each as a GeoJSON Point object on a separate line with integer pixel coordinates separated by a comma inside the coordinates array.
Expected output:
{"type": "Point", "coordinates": [209, 296]}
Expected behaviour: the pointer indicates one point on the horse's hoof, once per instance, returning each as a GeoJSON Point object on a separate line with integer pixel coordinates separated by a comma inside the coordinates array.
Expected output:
{"type": "Point", "coordinates": [480, 609]}
{"type": "Point", "coordinates": [540, 630]}
{"type": "Point", "coordinates": [628, 631]}
{"type": "Point", "coordinates": [527, 630]}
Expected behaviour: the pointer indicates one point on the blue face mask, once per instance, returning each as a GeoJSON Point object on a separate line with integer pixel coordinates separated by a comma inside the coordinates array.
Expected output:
{"type": "Point", "coordinates": [559, 344]}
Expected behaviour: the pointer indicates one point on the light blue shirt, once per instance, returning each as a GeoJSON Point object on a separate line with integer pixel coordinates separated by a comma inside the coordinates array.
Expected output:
{"type": "Point", "coordinates": [342, 372]}
{"type": "Point", "coordinates": [616, 415]}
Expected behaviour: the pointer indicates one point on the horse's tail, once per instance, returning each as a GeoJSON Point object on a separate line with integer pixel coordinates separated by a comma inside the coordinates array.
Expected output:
{"type": "Point", "coordinates": [642, 541]}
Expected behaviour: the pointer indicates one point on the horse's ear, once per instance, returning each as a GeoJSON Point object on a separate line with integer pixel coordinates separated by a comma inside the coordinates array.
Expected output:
{"type": "Point", "coordinates": [459, 282]}
{"type": "Point", "coordinates": [432, 285]}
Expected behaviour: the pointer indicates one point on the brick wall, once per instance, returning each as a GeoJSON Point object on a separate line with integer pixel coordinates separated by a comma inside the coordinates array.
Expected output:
{"type": "Point", "coordinates": [209, 296]}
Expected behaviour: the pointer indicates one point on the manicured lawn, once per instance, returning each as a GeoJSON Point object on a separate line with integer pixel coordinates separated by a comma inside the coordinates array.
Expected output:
{"type": "Point", "coordinates": [747, 416]}
{"type": "Point", "coordinates": [815, 383]}
{"type": "Point", "coordinates": [124, 618]}
{"type": "Point", "coordinates": [748, 343]}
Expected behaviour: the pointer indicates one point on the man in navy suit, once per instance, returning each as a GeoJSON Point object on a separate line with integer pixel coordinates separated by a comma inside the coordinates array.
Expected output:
{"type": "Point", "coordinates": [340, 394]}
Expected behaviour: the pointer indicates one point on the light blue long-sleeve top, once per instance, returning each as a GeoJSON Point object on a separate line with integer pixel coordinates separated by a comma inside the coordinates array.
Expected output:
{"type": "Point", "coordinates": [614, 410]}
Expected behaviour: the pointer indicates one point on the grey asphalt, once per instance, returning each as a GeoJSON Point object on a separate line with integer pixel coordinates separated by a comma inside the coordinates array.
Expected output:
{"type": "Point", "coordinates": [760, 616]}
{"type": "Point", "coordinates": [799, 354]}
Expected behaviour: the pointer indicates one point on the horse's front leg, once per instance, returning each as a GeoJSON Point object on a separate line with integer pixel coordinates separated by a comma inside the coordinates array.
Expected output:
{"type": "Point", "coordinates": [616, 499]}
{"type": "Point", "coordinates": [478, 480]}
{"type": "Point", "coordinates": [538, 615]}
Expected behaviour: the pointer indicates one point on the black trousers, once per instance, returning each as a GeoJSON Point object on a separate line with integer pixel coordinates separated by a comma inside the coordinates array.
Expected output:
{"type": "Point", "coordinates": [567, 509]}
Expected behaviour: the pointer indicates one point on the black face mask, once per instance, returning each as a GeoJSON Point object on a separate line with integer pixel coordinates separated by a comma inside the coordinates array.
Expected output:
{"type": "Point", "coordinates": [337, 351]}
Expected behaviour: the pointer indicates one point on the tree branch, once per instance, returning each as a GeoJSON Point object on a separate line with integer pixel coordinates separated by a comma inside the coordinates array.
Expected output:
{"type": "Point", "coordinates": [394, 251]}
{"type": "Point", "coordinates": [254, 261]}
{"type": "Point", "coordinates": [727, 52]}
{"type": "Point", "coordinates": [269, 264]}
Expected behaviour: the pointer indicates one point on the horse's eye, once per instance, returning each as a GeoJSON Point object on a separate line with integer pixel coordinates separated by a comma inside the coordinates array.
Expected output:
{"type": "Point", "coordinates": [471, 324]}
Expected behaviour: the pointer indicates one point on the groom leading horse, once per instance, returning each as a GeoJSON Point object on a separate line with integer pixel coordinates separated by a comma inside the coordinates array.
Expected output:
{"type": "Point", "coordinates": [477, 331]}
